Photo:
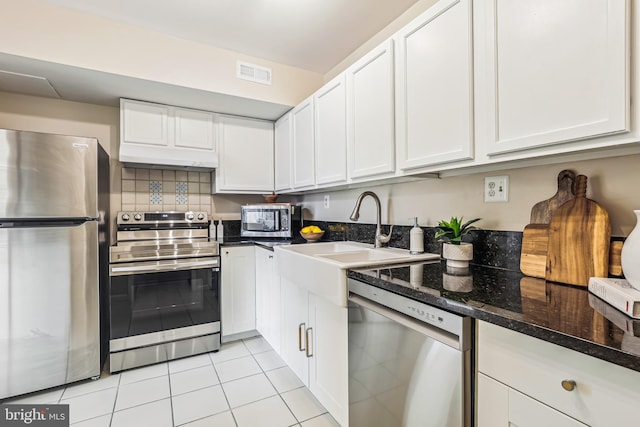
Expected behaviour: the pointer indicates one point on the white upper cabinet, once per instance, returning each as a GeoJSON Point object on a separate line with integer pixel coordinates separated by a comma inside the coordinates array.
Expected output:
{"type": "Point", "coordinates": [331, 132]}
{"type": "Point", "coordinates": [370, 114]}
{"type": "Point", "coordinates": [194, 129]}
{"type": "Point", "coordinates": [283, 142]}
{"type": "Point", "coordinates": [246, 156]}
{"type": "Point", "coordinates": [165, 135]}
{"type": "Point", "coordinates": [303, 145]}
{"type": "Point", "coordinates": [434, 86]}
{"type": "Point", "coordinates": [144, 123]}
{"type": "Point", "coordinates": [552, 71]}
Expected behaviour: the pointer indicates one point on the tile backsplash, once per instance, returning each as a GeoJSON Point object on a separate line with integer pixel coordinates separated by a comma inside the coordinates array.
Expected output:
{"type": "Point", "coordinates": [165, 190]}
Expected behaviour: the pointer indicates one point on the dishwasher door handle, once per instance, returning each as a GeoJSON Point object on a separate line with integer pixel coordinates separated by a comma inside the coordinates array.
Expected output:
{"type": "Point", "coordinates": [448, 338]}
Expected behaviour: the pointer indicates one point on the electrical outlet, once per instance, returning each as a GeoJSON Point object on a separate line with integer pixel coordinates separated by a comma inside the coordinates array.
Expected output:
{"type": "Point", "coordinates": [496, 189]}
{"type": "Point", "coordinates": [326, 201]}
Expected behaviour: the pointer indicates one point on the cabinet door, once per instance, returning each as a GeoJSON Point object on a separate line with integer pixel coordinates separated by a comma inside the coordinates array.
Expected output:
{"type": "Point", "coordinates": [492, 404]}
{"type": "Point", "coordinates": [246, 155]}
{"type": "Point", "coordinates": [370, 114]}
{"type": "Point", "coordinates": [268, 312]}
{"type": "Point", "coordinates": [194, 130]}
{"type": "Point", "coordinates": [331, 132]}
{"type": "Point", "coordinates": [554, 71]}
{"type": "Point", "coordinates": [282, 156]}
{"type": "Point", "coordinates": [303, 145]}
{"type": "Point", "coordinates": [527, 412]}
{"type": "Point", "coordinates": [295, 306]}
{"type": "Point", "coordinates": [144, 123]}
{"type": "Point", "coordinates": [238, 290]}
{"type": "Point", "coordinates": [328, 368]}
{"type": "Point", "coordinates": [434, 87]}
{"type": "Point", "coordinates": [499, 405]}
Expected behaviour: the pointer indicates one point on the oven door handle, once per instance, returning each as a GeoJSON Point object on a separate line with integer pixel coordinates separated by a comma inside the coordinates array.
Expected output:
{"type": "Point", "coordinates": [160, 266]}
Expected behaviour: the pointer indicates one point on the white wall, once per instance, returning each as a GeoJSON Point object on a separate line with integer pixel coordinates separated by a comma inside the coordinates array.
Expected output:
{"type": "Point", "coordinates": [40, 30]}
{"type": "Point", "coordinates": [613, 183]}
{"type": "Point", "coordinates": [397, 24]}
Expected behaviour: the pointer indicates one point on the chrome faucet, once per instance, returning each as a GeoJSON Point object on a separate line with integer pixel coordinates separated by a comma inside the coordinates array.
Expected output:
{"type": "Point", "coordinates": [380, 238]}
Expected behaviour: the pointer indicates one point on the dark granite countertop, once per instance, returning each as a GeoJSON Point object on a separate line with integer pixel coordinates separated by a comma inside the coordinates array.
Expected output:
{"type": "Point", "coordinates": [561, 314]}
{"type": "Point", "coordinates": [264, 243]}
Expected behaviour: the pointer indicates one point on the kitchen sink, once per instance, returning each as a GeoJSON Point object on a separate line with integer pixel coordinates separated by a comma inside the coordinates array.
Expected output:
{"type": "Point", "coordinates": [324, 248]}
{"type": "Point", "coordinates": [321, 267]}
{"type": "Point", "coordinates": [366, 257]}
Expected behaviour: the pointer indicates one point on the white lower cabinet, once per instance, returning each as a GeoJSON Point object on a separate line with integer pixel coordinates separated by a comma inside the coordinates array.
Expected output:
{"type": "Point", "coordinates": [295, 320]}
{"type": "Point", "coordinates": [237, 291]}
{"type": "Point", "coordinates": [328, 367]}
{"type": "Point", "coordinates": [499, 405]}
{"type": "Point", "coordinates": [268, 312]}
{"type": "Point", "coordinates": [524, 381]}
{"type": "Point", "coordinates": [314, 345]}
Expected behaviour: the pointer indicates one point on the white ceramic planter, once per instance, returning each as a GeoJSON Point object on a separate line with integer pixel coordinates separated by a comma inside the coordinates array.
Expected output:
{"type": "Point", "coordinates": [630, 257]}
{"type": "Point", "coordinates": [457, 256]}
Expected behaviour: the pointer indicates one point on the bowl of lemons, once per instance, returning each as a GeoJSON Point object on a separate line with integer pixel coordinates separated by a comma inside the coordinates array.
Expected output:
{"type": "Point", "coordinates": [312, 233]}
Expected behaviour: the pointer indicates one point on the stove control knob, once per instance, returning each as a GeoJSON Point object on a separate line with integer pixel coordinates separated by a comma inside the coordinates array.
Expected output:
{"type": "Point", "coordinates": [137, 217]}
{"type": "Point", "coordinates": [200, 216]}
{"type": "Point", "coordinates": [125, 217]}
{"type": "Point", "coordinates": [190, 216]}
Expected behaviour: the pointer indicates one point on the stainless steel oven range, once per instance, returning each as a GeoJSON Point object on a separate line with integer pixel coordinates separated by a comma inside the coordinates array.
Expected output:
{"type": "Point", "coordinates": [164, 288]}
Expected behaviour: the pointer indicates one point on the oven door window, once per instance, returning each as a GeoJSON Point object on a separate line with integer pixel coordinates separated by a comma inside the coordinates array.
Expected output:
{"type": "Point", "coordinates": [154, 302]}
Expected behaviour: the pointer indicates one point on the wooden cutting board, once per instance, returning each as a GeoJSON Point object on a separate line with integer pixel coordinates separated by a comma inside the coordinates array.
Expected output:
{"type": "Point", "coordinates": [579, 238]}
{"type": "Point", "coordinates": [542, 211]}
{"type": "Point", "coordinates": [533, 258]}
{"type": "Point", "coordinates": [615, 258]}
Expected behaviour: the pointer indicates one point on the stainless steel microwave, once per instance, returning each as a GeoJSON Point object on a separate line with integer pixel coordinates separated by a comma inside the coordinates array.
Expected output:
{"type": "Point", "coordinates": [270, 220]}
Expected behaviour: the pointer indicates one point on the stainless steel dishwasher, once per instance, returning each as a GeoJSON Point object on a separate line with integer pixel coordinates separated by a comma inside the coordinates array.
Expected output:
{"type": "Point", "coordinates": [409, 363]}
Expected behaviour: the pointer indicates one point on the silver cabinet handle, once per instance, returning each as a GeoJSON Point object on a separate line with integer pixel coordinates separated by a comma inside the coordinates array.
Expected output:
{"type": "Point", "coordinates": [309, 338]}
{"type": "Point", "coordinates": [301, 342]}
{"type": "Point", "coordinates": [568, 385]}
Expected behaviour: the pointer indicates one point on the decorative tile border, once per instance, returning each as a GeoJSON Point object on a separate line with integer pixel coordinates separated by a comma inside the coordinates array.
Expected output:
{"type": "Point", "coordinates": [182, 193]}
{"type": "Point", "coordinates": [155, 192]}
{"type": "Point", "coordinates": [160, 189]}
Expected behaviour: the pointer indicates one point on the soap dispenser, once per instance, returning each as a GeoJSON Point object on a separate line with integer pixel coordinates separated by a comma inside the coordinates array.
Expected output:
{"type": "Point", "coordinates": [416, 238]}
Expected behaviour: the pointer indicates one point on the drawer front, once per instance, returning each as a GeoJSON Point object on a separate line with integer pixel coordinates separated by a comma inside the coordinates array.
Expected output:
{"type": "Point", "coordinates": [604, 394]}
{"type": "Point", "coordinates": [527, 412]}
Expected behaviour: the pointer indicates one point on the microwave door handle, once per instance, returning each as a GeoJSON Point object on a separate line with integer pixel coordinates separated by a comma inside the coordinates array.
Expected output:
{"type": "Point", "coordinates": [276, 220]}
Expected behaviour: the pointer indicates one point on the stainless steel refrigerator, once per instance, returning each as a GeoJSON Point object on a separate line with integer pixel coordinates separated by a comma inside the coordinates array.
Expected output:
{"type": "Point", "coordinates": [54, 204]}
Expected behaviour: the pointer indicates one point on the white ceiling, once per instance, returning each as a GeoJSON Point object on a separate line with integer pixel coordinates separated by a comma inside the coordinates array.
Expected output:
{"type": "Point", "coordinates": [315, 35]}
{"type": "Point", "coordinates": [311, 34]}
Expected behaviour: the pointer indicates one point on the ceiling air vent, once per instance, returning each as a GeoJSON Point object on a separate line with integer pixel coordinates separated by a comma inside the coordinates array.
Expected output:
{"type": "Point", "coordinates": [254, 73]}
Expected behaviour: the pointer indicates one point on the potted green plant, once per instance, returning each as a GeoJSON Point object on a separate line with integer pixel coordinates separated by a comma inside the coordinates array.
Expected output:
{"type": "Point", "coordinates": [454, 250]}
